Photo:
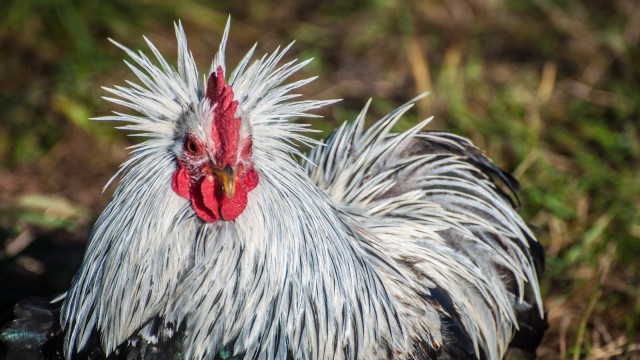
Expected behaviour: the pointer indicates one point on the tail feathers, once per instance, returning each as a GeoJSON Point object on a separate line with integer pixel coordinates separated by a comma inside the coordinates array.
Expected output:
{"type": "Point", "coordinates": [35, 333]}
{"type": "Point", "coordinates": [528, 337]}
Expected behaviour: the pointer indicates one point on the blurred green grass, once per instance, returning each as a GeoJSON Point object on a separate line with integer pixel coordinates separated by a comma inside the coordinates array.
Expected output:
{"type": "Point", "coordinates": [549, 88]}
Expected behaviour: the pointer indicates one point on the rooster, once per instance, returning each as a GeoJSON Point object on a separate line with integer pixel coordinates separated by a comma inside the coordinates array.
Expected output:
{"type": "Point", "coordinates": [224, 241]}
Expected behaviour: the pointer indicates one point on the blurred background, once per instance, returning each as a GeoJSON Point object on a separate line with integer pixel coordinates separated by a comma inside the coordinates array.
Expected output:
{"type": "Point", "coordinates": [551, 90]}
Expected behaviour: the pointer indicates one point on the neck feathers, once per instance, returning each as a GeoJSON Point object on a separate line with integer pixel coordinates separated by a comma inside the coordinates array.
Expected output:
{"type": "Point", "coordinates": [257, 283]}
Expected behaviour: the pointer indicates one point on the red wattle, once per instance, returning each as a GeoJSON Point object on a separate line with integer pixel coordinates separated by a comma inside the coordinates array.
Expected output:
{"type": "Point", "coordinates": [208, 191]}
{"type": "Point", "coordinates": [208, 200]}
{"type": "Point", "coordinates": [204, 200]}
{"type": "Point", "coordinates": [231, 208]}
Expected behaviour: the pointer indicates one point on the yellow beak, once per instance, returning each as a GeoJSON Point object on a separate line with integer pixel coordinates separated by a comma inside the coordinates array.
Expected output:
{"type": "Point", "coordinates": [227, 178]}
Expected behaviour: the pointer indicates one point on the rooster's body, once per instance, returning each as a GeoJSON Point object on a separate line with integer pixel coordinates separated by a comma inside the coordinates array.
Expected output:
{"type": "Point", "coordinates": [218, 244]}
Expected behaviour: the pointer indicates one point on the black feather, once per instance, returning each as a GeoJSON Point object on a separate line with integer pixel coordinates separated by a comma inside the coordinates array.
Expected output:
{"type": "Point", "coordinates": [35, 333]}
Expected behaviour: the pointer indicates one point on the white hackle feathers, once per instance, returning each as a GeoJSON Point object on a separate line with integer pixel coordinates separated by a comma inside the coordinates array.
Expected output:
{"type": "Point", "coordinates": [367, 250]}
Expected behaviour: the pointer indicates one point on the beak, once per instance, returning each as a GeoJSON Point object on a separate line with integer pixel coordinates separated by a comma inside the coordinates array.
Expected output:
{"type": "Point", "coordinates": [227, 177]}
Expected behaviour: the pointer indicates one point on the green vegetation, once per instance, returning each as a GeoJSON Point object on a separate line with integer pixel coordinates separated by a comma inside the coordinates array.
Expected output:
{"type": "Point", "coordinates": [551, 90]}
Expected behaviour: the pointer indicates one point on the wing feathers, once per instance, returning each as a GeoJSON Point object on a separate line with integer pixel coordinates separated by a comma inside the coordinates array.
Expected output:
{"type": "Point", "coordinates": [436, 198]}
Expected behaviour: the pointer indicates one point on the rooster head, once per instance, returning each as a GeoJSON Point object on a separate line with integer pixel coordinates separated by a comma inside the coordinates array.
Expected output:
{"type": "Point", "coordinates": [204, 138]}
{"type": "Point", "coordinates": [215, 171]}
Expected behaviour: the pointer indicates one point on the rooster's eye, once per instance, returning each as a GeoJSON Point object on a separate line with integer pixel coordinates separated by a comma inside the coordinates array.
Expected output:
{"type": "Point", "coordinates": [190, 146]}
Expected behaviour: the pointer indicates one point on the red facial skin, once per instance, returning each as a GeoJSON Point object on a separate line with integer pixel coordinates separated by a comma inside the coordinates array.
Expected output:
{"type": "Point", "coordinates": [203, 184]}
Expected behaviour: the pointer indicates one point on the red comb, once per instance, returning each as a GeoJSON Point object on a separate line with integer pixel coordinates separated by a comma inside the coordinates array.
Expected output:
{"type": "Point", "coordinates": [225, 127]}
